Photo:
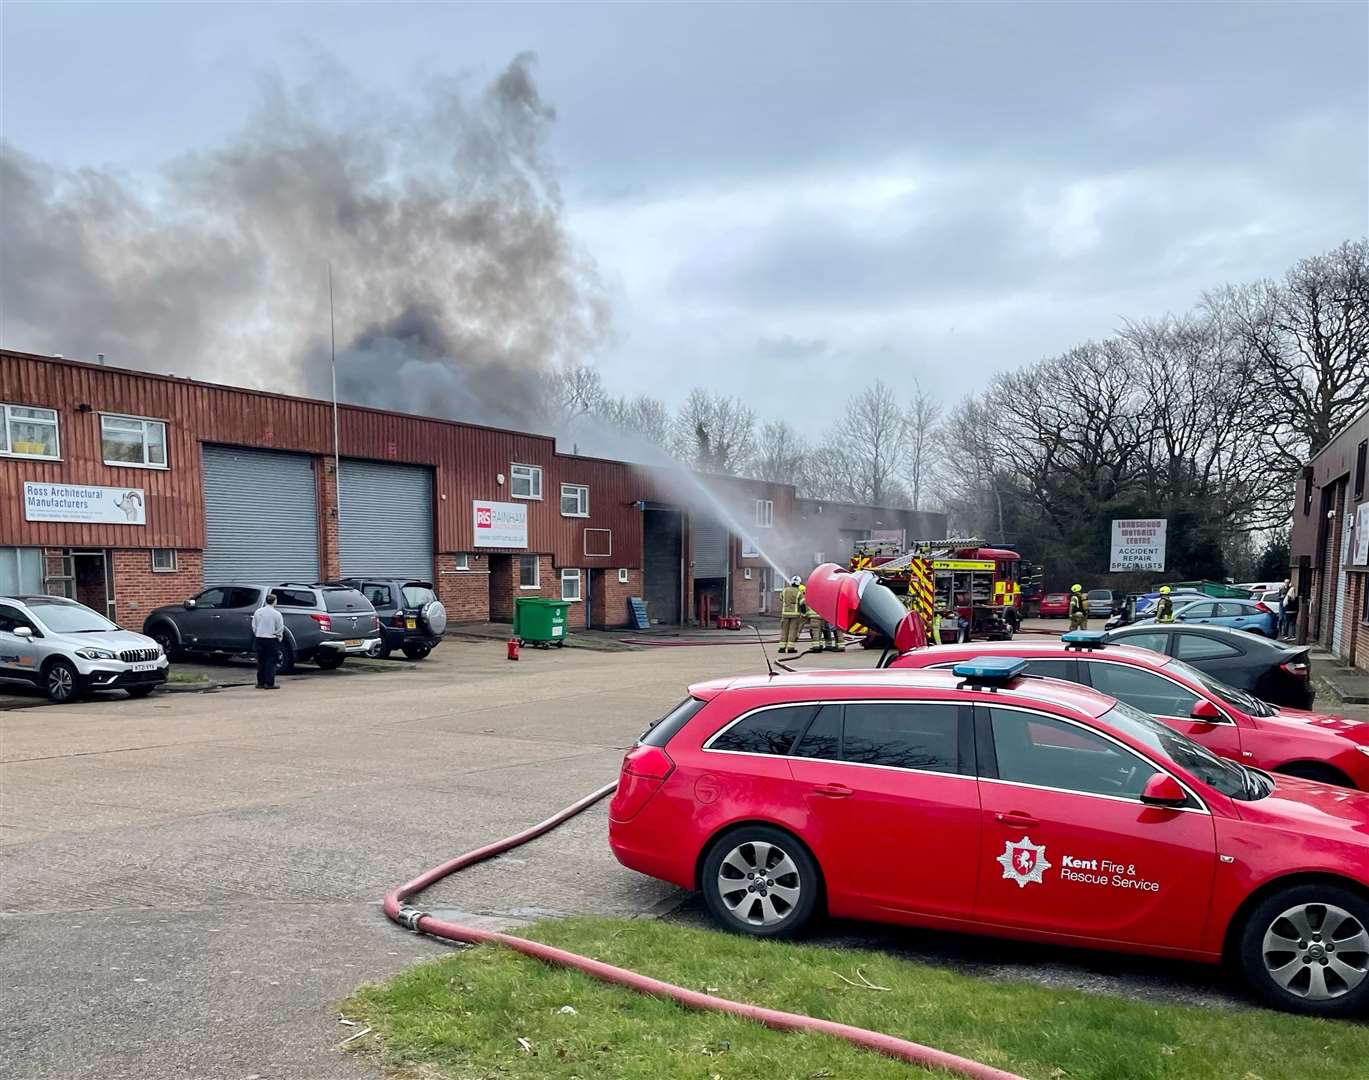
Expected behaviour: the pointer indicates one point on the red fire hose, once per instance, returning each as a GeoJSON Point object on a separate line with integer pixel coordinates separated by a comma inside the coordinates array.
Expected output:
{"type": "Point", "coordinates": [420, 922]}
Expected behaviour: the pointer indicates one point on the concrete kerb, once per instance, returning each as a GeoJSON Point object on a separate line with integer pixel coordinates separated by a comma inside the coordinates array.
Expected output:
{"type": "Point", "coordinates": [1347, 685]}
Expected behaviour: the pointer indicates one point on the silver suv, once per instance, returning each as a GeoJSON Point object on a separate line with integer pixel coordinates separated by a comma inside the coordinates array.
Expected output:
{"type": "Point", "coordinates": [67, 650]}
{"type": "Point", "coordinates": [322, 624]}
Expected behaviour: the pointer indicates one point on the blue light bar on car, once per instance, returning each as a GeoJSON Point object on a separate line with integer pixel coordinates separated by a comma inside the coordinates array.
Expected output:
{"type": "Point", "coordinates": [1085, 639]}
{"type": "Point", "coordinates": [990, 669]}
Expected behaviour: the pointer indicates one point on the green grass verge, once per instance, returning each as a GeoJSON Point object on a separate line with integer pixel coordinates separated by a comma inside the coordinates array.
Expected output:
{"type": "Point", "coordinates": [185, 677]}
{"type": "Point", "coordinates": [462, 1017]}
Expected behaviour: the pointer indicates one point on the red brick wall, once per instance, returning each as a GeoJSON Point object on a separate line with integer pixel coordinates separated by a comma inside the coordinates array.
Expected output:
{"type": "Point", "coordinates": [137, 590]}
{"type": "Point", "coordinates": [746, 595]}
{"type": "Point", "coordinates": [329, 548]}
{"type": "Point", "coordinates": [465, 593]}
{"type": "Point", "coordinates": [608, 606]}
{"type": "Point", "coordinates": [1354, 626]}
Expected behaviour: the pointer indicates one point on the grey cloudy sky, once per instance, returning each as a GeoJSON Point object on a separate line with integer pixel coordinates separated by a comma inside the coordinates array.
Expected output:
{"type": "Point", "coordinates": [782, 199]}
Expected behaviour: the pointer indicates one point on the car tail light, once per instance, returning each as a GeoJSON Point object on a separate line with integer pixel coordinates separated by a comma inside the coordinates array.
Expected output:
{"type": "Point", "coordinates": [325, 622]}
{"type": "Point", "coordinates": [1299, 669]}
{"type": "Point", "coordinates": [1263, 608]}
{"type": "Point", "coordinates": [397, 620]}
{"type": "Point", "coordinates": [645, 768]}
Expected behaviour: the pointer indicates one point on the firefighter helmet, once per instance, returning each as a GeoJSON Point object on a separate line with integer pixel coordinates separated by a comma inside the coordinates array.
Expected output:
{"type": "Point", "coordinates": [795, 580]}
{"type": "Point", "coordinates": [1076, 588]}
{"type": "Point", "coordinates": [1164, 590]}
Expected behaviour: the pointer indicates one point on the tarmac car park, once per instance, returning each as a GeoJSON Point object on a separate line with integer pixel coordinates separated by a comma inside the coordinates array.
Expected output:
{"type": "Point", "coordinates": [988, 801]}
{"type": "Point", "coordinates": [1227, 721]}
{"type": "Point", "coordinates": [67, 650]}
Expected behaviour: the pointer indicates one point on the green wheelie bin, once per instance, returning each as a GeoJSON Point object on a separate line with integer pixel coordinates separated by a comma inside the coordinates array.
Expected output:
{"type": "Point", "coordinates": [540, 621]}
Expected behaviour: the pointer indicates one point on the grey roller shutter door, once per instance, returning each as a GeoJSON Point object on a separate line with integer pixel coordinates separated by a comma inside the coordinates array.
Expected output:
{"type": "Point", "coordinates": [710, 549]}
{"type": "Point", "coordinates": [260, 517]}
{"type": "Point", "coordinates": [386, 520]}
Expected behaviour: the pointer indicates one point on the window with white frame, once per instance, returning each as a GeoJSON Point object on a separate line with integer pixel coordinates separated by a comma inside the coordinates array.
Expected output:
{"type": "Point", "coordinates": [765, 513]}
{"type": "Point", "coordinates": [29, 432]}
{"type": "Point", "coordinates": [529, 573]}
{"type": "Point", "coordinates": [622, 576]}
{"type": "Point", "coordinates": [163, 560]}
{"type": "Point", "coordinates": [131, 440]}
{"type": "Point", "coordinates": [525, 481]}
{"type": "Point", "coordinates": [574, 500]}
{"type": "Point", "coordinates": [570, 584]}
{"type": "Point", "coordinates": [463, 560]}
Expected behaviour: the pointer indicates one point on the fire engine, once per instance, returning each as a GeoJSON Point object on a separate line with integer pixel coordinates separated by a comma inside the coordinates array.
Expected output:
{"type": "Point", "coordinates": [977, 582]}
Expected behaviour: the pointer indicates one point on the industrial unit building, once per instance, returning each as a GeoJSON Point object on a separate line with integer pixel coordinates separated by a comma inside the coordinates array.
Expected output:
{"type": "Point", "coordinates": [1330, 545]}
{"type": "Point", "coordinates": [128, 490]}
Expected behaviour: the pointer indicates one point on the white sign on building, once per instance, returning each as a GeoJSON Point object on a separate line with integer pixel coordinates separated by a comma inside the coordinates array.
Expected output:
{"type": "Point", "coordinates": [71, 502]}
{"type": "Point", "coordinates": [1138, 544]}
{"type": "Point", "coordinates": [500, 524]}
{"type": "Point", "coordinates": [1361, 536]}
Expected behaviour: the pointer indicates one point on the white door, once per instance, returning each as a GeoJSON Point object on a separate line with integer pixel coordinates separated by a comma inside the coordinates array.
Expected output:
{"type": "Point", "coordinates": [1342, 585]}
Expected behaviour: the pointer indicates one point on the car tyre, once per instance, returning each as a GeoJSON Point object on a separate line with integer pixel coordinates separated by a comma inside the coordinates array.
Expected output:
{"type": "Point", "coordinates": [165, 637]}
{"type": "Point", "coordinates": [384, 651]}
{"type": "Point", "coordinates": [140, 691]}
{"type": "Point", "coordinates": [285, 659]}
{"type": "Point", "coordinates": [1305, 949]}
{"type": "Point", "coordinates": [416, 652]}
{"type": "Point", "coordinates": [60, 682]}
{"type": "Point", "coordinates": [329, 660]}
{"type": "Point", "coordinates": [776, 904]}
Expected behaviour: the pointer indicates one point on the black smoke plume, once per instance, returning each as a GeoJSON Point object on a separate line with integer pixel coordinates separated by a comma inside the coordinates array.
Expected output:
{"type": "Point", "coordinates": [458, 288]}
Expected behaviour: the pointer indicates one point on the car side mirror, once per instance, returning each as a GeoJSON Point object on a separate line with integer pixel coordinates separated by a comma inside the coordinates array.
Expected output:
{"type": "Point", "coordinates": [1163, 790]}
{"type": "Point", "coordinates": [1205, 711]}
{"type": "Point", "coordinates": [23, 632]}
{"type": "Point", "coordinates": [189, 605]}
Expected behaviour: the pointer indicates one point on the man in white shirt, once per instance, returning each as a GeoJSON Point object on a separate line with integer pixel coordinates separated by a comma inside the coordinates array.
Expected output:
{"type": "Point", "coordinates": [268, 627]}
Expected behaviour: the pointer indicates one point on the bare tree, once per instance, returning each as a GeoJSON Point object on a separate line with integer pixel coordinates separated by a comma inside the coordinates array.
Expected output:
{"type": "Point", "coordinates": [642, 415]}
{"type": "Point", "coordinates": [575, 391]}
{"type": "Point", "coordinates": [874, 437]}
{"type": "Point", "coordinates": [1309, 336]}
{"type": "Point", "coordinates": [713, 433]}
{"type": "Point", "coordinates": [782, 455]}
{"type": "Point", "coordinates": [924, 416]}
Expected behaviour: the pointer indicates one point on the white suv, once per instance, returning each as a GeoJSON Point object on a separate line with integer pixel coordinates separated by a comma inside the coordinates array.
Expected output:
{"type": "Point", "coordinates": [67, 650]}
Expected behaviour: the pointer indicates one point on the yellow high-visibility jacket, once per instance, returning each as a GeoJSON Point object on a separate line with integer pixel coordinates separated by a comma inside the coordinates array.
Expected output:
{"type": "Point", "coordinates": [790, 599]}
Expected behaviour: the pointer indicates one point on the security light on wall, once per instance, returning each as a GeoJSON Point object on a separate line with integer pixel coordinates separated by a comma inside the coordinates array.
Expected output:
{"type": "Point", "coordinates": [499, 479]}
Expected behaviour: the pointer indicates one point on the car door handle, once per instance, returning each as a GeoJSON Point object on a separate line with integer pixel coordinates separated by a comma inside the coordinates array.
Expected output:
{"type": "Point", "coordinates": [1017, 819]}
{"type": "Point", "coordinates": [834, 791]}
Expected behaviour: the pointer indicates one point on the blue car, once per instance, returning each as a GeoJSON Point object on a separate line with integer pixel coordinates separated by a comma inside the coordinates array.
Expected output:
{"type": "Point", "coordinates": [1252, 615]}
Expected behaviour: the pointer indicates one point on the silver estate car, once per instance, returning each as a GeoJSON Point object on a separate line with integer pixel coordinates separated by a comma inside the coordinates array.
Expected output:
{"type": "Point", "coordinates": [67, 650]}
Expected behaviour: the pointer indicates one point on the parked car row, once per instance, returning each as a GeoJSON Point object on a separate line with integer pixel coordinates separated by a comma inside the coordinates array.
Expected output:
{"type": "Point", "coordinates": [1082, 792]}
{"type": "Point", "coordinates": [67, 650]}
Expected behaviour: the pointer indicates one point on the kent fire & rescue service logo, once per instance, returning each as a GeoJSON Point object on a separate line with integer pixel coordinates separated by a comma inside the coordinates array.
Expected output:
{"type": "Point", "coordinates": [1023, 862]}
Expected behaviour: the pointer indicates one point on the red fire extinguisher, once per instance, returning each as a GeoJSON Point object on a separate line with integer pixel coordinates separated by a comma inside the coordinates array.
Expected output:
{"type": "Point", "coordinates": [513, 648]}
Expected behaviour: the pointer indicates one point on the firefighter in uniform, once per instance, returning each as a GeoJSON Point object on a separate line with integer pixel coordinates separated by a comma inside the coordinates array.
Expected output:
{"type": "Point", "coordinates": [1079, 608]}
{"type": "Point", "coordinates": [813, 620]}
{"type": "Point", "coordinates": [833, 640]}
{"type": "Point", "coordinates": [1164, 608]}
{"type": "Point", "coordinates": [790, 598]}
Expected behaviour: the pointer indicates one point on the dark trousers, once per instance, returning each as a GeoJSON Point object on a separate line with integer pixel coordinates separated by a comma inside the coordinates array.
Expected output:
{"type": "Point", "coordinates": [1290, 623]}
{"type": "Point", "coordinates": [268, 651]}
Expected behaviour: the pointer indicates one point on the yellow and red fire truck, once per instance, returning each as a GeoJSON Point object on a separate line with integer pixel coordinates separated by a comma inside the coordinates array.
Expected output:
{"type": "Point", "coordinates": [978, 583]}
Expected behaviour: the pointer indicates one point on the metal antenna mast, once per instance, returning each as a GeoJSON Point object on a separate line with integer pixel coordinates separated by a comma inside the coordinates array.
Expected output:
{"type": "Point", "coordinates": [332, 348]}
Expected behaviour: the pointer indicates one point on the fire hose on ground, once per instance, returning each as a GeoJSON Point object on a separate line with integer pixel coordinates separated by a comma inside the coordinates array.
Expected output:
{"type": "Point", "coordinates": [398, 909]}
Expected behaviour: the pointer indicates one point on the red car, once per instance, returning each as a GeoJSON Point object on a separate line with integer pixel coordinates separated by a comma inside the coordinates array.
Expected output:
{"type": "Point", "coordinates": [1229, 722]}
{"type": "Point", "coordinates": [985, 801]}
{"type": "Point", "coordinates": [1055, 605]}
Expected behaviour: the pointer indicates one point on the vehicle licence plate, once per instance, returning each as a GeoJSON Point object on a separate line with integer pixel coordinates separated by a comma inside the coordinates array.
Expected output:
{"type": "Point", "coordinates": [411, 624]}
{"type": "Point", "coordinates": [353, 641]}
{"type": "Point", "coordinates": [144, 667]}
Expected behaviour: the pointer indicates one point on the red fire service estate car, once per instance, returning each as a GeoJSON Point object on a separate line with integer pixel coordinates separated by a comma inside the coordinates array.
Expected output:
{"type": "Point", "coordinates": [986, 800]}
{"type": "Point", "coordinates": [1229, 722]}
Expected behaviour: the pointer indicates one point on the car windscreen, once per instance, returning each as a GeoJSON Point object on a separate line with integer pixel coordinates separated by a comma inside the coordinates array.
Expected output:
{"type": "Point", "coordinates": [1225, 776]}
{"type": "Point", "coordinates": [1230, 694]}
{"type": "Point", "coordinates": [418, 595]}
{"type": "Point", "coordinates": [70, 618]}
{"type": "Point", "coordinates": [345, 600]}
{"type": "Point", "coordinates": [663, 730]}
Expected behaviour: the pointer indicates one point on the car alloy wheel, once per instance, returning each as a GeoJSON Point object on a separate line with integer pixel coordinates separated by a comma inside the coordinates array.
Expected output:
{"type": "Point", "coordinates": [781, 892]}
{"type": "Point", "coordinates": [61, 682]}
{"type": "Point", "coordinates": [1317, 952]}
